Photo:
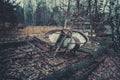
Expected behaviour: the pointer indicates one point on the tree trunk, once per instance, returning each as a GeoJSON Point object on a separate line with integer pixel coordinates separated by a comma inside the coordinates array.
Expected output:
{"type": "Point", "coordinates": [67, 14]}
{"type": "Point", "coordinates": [91, 28]}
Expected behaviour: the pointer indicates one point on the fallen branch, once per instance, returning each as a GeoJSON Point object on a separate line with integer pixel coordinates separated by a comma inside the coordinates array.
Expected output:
{"type": "Point", "coordinates": [85, 75]}
{"type": "Point", "coordinates": [75, 67]}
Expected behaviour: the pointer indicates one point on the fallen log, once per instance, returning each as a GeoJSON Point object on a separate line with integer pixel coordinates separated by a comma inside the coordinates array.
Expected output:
{"type": "Point", "coordinates": [85, 75]}
{"type": "Point", "coordinates": [75, 67]}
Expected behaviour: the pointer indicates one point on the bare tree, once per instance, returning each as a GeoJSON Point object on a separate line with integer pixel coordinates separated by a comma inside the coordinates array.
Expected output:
{"type": "Point", "coordinates": [89, 11]}
{"type": "Point", "coordinates": [67, 14]}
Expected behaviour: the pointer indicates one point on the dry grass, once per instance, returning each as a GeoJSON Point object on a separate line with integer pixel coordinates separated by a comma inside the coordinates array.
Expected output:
{"type": "Point", "coordinates": [38, 29]}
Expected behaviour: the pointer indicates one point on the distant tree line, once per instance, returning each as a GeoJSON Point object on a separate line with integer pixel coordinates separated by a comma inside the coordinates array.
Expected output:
{"type": "Point", "coordinates": [43, 15]}
{"type": "Point", "coordinates": [10, 11]}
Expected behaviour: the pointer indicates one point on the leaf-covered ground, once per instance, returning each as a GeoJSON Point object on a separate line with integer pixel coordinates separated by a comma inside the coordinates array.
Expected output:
{"type": "Point", "coordinates": [27, 63]}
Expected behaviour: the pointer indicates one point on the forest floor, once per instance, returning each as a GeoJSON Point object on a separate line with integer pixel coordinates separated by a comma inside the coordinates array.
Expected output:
{"type": "Point", "coordinates": [21, 61]}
